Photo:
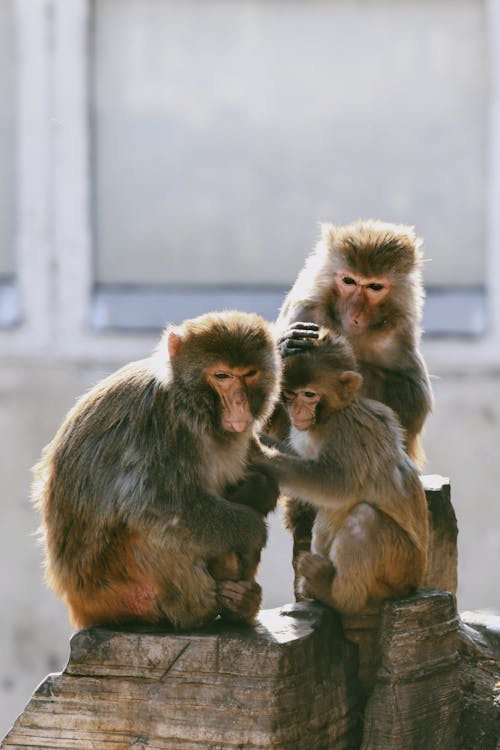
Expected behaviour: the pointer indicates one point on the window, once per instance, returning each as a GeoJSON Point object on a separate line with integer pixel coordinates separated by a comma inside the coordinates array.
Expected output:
{"type": "Point", "coordinates": [225, 132]}
{"type": "Point", "coordinates": [9, 312]}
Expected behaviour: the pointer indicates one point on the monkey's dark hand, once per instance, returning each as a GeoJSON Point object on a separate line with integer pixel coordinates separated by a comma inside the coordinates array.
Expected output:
{"type": "Point", "coordinates": [258, 489]}
{"type": "Point", "coordinates": [297, 338]}
{"type": "Point", "coordinates": [239, 601]}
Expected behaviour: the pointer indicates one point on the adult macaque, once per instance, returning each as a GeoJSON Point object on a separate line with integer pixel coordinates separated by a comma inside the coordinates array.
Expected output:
{"type": "Point", "coordinates": [369, 540]}
{"type": "Point", "coordinates": [146, 491]}
{"type": "Point", "coordinates": [364, 281]}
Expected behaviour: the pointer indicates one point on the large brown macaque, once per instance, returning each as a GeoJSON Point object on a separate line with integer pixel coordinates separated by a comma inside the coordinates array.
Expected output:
{"type": "Point", "coordinates": [364, 281]}
{"type": "Point", "coordinates": [151, 508]}
{"type": "Point", "coordinates": [370, 533]}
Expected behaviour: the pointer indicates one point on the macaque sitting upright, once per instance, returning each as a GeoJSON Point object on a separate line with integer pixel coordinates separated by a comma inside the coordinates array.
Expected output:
{"type": "Point", "coordinates": [369, 539]}
{"type": "Point", "coordinates": [151, 508]}
{"type": "Point", "coordinates": [364, 281]}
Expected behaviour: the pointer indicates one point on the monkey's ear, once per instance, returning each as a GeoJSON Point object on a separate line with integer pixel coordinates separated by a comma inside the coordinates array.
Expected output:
{"type": "Point", "coordinates": [174, 341]}
{"type": "Point", "coordinates": [348, 383]}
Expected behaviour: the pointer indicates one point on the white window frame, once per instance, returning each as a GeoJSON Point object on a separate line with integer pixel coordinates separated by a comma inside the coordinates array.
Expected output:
{"type": "Point", "coordinates": [54, 244]}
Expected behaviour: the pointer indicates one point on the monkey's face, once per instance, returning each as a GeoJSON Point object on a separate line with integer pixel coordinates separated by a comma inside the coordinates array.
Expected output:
{"type": "Point", "coordinates": [301, 404]}
{"type": "Point", "coordinates": [232, 385]}
{"type": "Point", "coordinates": [360, 299]}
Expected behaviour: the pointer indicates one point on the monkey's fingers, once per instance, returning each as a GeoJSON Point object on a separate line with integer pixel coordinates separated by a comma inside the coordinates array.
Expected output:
{"type": "Point", "coordinates": [297, 338]}
{"type": "Point", "coordinates": [294, 346]}
{"type": "Point", "coordinates": [239, 600]}
{"type": "Point", "coordinates": [305, 328]}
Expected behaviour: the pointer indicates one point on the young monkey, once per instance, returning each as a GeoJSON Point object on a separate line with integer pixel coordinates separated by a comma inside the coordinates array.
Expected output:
{"type": "Point", "coordinates": [370, 533]}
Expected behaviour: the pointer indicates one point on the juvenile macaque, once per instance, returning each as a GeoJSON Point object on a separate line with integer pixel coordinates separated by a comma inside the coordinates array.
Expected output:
{"type": "Point", "coordinates": [146, 491]}
{"type": "Point", "coordinates": [363, 281]}
{"type": "Point", "coordinates": [369, 538]}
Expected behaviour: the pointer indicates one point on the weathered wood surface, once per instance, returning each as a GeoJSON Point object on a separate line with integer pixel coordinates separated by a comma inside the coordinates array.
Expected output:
{"type": "Point", "coordinates": [290, 683]}
{"type": "Point", "coordinates": [479, 648]}
{"type": "Point", "coordinates": [443, 532]}
{"type": "Point", "coordinates": [427, 680]}
{"type": "Point", "coordinates": [416, 700]}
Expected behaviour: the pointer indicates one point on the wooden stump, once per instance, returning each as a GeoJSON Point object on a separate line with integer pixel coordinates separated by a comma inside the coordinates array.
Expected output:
{"type": "Point", "coordinates": [443, 531]}
{"type": "Point", "coordinates": [479, 648]}
{"type": "Point", "coordinates": [416, 700]}
{"type": "Point", "coordinates": [291, 684]}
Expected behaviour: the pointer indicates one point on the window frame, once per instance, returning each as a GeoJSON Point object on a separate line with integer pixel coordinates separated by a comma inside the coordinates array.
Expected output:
{"type": "Point", "coordinates": [57, 293]}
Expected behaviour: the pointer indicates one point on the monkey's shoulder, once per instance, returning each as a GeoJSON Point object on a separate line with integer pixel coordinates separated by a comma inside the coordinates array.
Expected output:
{"type": "Point", "coordinates": [128, 396]}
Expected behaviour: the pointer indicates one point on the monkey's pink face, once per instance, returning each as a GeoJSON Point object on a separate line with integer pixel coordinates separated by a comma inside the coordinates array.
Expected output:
{"type": "Point", "coordinates": [359, 298]}
{"type": "Point", "coordinates": [301, 404]}
{"type": "Point", "coordinates": [232, 385]}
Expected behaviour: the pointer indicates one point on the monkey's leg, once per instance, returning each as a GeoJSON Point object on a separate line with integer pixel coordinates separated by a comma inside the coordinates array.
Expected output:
{"type": "Point", "coordinates": [299, 519]}
{"type": "Point", "coordinates": [316, 575]}
{"type": "Point", "coordinates": [357, 553]}
{"type": "Point", "coordinates": [238, 595]}
{"type": "Point", "coordinates": [188, 596]}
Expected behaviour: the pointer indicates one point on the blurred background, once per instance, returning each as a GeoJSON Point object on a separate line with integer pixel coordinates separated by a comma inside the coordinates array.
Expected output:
{"type": "Point", "coordinates": [159, 158]}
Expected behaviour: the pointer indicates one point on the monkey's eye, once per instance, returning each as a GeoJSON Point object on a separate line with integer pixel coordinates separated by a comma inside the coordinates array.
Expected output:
{"type": "Point", "coordinates": [221, 375]}
{"type": "Point", "coordinates": [376, 287]}
{"type": "Point", "coordinates": [289, 396]}
{"type": "Point", "coordinates": [250, 374]}
{"type": "Point", "coordinates": [310, 394]}
{"type": "Point", "coordinates": [348, 280]}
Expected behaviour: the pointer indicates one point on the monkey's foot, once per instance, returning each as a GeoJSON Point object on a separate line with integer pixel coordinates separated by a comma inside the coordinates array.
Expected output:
{"type": "Point", "coordinates": [239, 600]}
{"type": "Point", "coordinates": [318, 574]}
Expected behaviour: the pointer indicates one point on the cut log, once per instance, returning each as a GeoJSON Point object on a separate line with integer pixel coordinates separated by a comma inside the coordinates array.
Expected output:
{"type": "Point", "coordinates": [291, 684]}
{"type": "Point", "coordinates": [416, 701]}
{"type": "Point", "coordinates": [443, 531]}
{"type": "Point", "coordinates": [479, 648]}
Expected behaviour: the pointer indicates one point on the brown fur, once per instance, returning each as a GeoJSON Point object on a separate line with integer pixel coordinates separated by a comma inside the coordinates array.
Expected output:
{"type": "Point", "coordinates": [387, 352]}
{"type": "Point", "coordinates": [135, 489]}
{"type": "Point", "coordinates": [370, 533]}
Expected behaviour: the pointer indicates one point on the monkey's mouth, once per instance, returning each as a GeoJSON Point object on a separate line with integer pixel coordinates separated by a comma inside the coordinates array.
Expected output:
{"type": "Point", "coordinates": [302, 424]}
{"type": "Point", "coordinates": [231, 425]}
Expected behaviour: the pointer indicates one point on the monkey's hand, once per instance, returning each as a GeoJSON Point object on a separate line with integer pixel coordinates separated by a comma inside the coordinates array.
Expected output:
{"type": "Point", "coordinates": [259, 489]}
{"type": "Point", "coordinates": [318, 574]}
{"type": "Point", "coordinates": [239, 601]}
{"type": "Point", "coordinates": [297, 338]}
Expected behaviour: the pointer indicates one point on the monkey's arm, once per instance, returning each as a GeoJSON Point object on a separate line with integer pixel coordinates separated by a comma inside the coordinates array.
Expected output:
{"type": "Point", "coordinates": [408, 392]}
{"type": "Point", "coordinates": [217, 525]}
{"type": "Point", "coordinates": [321, 482]}
{"type": "Point", "coordinates": [259, 490]}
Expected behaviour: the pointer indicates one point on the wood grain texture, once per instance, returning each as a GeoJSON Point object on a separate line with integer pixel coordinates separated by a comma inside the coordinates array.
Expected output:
{"type": "Point", "coordinates": [416, 700]}
{"type": "Point", "coordinates": [443, 531]}
{"type": "Point", "coordinates": [289, 683]}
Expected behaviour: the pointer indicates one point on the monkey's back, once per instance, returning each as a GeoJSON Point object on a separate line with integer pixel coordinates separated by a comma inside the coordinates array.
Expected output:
{"type": "Point", "coordinates": [102, 470]}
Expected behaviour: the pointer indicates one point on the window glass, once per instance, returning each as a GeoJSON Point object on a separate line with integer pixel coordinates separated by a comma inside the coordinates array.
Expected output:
{"type": "Point", "coordinates": [225, 132]}
{"type": "Point", "coordinates": [7, 141]}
